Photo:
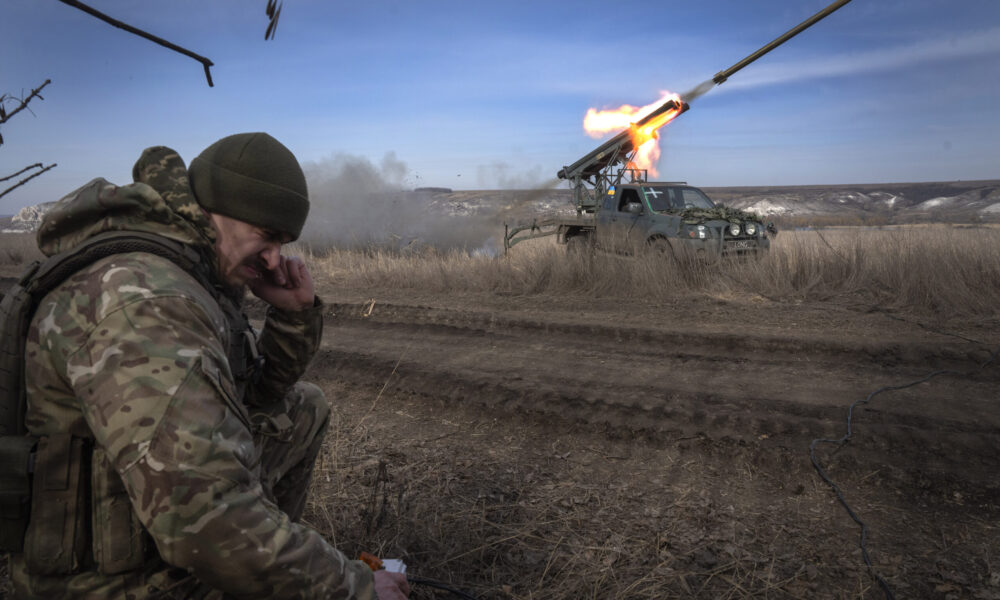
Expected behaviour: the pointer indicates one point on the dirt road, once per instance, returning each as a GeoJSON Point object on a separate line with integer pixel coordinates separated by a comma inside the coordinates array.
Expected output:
{"type": "Point", "coordinates": [538, 448]}
{"type": "Point", "coordinates": [645, 450]}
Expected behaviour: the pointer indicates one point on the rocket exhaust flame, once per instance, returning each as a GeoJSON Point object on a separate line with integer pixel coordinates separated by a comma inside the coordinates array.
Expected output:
{"type": "Point", "coordinates": [642, 123]}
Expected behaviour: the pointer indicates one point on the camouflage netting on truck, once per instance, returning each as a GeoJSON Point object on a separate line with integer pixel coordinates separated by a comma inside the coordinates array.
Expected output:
{"type": "Point", "coordinates": [693, 216]}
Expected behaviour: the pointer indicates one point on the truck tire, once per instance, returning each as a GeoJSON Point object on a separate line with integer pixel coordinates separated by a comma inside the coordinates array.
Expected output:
{"type": "Point", "coordinates": [579, 244]}
{"type": "Point", "coordinates": [661, 246]}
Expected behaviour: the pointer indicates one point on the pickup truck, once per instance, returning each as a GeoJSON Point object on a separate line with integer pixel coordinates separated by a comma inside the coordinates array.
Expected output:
{"type": "Point", "coordinates": [667, 217]}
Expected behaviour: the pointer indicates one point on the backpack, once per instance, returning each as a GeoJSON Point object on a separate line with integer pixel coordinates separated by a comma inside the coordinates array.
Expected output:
{"type": "Point", "coordinates": [17, 448]}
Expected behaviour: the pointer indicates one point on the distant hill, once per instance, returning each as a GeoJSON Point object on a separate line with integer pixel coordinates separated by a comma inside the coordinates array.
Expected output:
{"type": "Point", "coordinates": [891, 202]}
{"type": "Point", "coordinates": [957, 201]}
{"type": "Point", "coordinates": [953, 201]}
{"type": "Point", "coordinates": [27, 219]}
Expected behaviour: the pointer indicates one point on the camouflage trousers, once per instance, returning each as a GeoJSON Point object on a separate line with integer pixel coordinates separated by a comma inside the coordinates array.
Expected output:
{"type": "Point", "coordinates": [288, 436]}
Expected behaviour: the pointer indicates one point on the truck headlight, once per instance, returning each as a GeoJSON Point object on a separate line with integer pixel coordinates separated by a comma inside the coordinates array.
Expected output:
{"type": "Point", "coordinates": [734, 229]}
{"type": "Point", "coordinates": [702, 232]}
{"type": "Point", "coordinates": [751, 228]}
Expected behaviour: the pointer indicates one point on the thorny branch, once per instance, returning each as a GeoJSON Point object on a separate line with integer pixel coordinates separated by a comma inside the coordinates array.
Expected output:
{"type": "Point", "coordinates": [26, 179]}
{"type": "Point", "coordinates": [4, 115]}
{"type": "Point", "coordinates": [28, 168]}
{"type": "Point", "coordinates": [96, 13]}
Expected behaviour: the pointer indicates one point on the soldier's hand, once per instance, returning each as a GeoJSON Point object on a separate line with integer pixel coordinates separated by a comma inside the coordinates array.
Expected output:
{"type": "Point", "coordinates": [391, 586]}
{"type": "Point", "coordinates": [289, 286]}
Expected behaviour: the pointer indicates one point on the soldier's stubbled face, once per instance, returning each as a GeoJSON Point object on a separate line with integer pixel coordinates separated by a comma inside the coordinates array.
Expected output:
{"type": "Point", "coordinates": [245, 252]}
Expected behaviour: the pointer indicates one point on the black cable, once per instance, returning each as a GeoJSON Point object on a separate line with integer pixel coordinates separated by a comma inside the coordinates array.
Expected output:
{"type": "Point", "coordinates": [440, 586]}
{"type": "Point", "coordinates": [847, 437]}
{"type": "Point", "coordinates": [925, 327]}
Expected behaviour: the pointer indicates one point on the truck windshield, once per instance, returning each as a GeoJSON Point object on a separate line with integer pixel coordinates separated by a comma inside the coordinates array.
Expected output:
{"type": "Point", "coordinates": [664, 198]}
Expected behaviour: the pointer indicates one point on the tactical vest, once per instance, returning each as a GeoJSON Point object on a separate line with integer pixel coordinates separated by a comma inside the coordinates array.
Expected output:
{"type": "Point", "coordinates": [59, 468]}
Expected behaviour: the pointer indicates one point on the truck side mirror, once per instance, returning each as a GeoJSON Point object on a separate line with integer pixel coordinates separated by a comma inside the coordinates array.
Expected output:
{"type": "Point", "coordinates": [634, 208]}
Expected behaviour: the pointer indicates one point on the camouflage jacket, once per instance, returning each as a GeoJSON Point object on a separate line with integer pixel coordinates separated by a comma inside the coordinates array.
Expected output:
{"type": "Point", "coordinates": [130, 354]}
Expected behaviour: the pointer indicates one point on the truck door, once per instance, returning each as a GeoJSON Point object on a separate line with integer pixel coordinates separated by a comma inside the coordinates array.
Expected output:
{"type": "Point", "coordinates": [608, 231]}
{"type": "Point", "coordinates": [661, 220]}
{"type": "Point", "coordinates": [607, 215]}
{"type": "Point", "coordinates": [630, 224]}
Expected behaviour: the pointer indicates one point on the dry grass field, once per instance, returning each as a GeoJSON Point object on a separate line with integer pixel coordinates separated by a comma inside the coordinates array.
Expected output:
{"type": "Point", "coordinates": [546, 425]}
{"type": "Point", "coordinates": [930, 269]}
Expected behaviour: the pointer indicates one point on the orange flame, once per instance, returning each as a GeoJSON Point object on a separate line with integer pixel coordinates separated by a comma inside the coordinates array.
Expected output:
{"type": "Point", "coordinates": [600, 122]}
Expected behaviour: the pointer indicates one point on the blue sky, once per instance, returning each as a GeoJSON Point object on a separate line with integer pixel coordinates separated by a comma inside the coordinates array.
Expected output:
{"type": "Point", "coordinates": [480, 95]}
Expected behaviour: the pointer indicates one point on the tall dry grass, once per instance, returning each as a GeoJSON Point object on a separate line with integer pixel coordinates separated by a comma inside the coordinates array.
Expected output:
{"type": "Point", "coordinates": [937, 269]}
{"type": "Point", "coordinates": [942, 269]}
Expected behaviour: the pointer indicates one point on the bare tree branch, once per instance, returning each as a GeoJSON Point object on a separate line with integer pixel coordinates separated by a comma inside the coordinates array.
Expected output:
{"type": "Point", "coordinates": [96, 13]}
{"type": "Point", "coordinates": [25, 180]}
{"type": "Point", "coordinates": [273, 11]}
{"type": "Point", "coordinates": [4, 115]}
{"type": "Point", "coordinates": [28, 168]}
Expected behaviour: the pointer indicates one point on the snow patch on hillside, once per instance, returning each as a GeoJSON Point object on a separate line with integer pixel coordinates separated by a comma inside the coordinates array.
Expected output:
{"type": "Point", "coordinates": [766, 207]}
{"type": "Point", "coordinates": [935, 202]}
{"type": "Point", "coordinates": [29, 218]}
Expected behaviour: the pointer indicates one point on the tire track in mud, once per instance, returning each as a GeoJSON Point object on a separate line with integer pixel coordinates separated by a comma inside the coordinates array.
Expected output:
{"type": "Point", "coordinates": [662, 381]}
{"type": "Point", "coordinates": [722, 346]}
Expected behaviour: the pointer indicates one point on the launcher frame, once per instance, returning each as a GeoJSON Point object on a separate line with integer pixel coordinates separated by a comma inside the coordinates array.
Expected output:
{"type": "Point", "coordinates": [595, 173]}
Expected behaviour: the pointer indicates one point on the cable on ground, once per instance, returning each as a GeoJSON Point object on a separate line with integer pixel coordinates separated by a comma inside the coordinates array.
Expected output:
{"type": "Point", "coordinates": [847, 437]}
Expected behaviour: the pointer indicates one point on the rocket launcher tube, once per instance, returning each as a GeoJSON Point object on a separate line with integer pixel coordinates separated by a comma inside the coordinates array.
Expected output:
{"type": "Point", "coordinates": [721, 76]}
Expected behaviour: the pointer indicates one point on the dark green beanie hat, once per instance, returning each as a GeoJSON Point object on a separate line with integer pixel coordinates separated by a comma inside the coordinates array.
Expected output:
{"type": "Point", "coordinates": [254, 178]}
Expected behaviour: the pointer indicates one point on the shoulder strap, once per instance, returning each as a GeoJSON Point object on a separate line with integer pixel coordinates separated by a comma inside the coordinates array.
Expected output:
{"type": "Point", "coordinates": [59, 267]}
{"type": "Point", "coordinates": [41, 277]}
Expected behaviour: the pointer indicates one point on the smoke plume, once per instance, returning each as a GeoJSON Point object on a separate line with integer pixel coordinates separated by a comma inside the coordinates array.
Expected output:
{"type": "Point", "coordinates": [700, 90]}
{"type": "Point", "coordinates": [355, 204]}
{"type": "Point", "coordinates": [501, 175]}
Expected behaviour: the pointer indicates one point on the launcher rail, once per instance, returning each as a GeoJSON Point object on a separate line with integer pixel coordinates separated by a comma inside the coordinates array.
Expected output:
{"type": "Point", "coordinates": [594, 174]}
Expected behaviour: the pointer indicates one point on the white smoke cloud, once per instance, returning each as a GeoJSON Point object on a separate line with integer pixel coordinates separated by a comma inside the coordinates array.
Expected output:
{"type": "Point", "coordinates": [501, 175]}
{"type": "Point", "coordinates": [355, 204]}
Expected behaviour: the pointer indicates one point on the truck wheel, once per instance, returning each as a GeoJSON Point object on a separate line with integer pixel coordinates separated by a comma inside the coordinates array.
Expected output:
{"type": "Point", "coordinates": [578, 244]}
{"type": "Point", "coordinates": [661, 246]}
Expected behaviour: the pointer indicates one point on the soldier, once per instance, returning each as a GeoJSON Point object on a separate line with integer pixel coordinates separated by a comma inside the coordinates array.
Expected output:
{"type": "Point", "coordinates": [175, 445]}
